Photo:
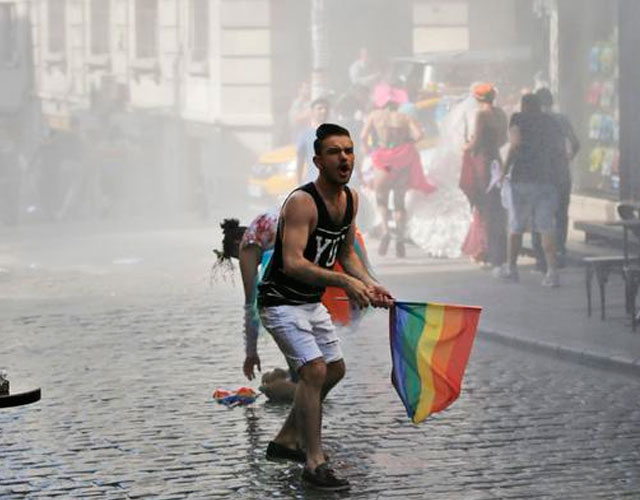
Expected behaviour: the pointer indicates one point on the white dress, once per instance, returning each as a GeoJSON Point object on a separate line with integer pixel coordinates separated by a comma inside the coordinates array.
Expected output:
{"type": "Point", "coordinates": [438, 222]}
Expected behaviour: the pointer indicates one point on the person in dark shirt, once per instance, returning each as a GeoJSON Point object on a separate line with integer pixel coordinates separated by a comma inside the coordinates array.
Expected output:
{"type": "Point", "coordinates": [532, 163]}
{"type": "Point", "coordinates": [571, 145]}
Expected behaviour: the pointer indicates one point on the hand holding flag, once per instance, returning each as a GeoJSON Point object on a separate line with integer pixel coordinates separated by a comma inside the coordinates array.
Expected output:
{"type": "Point", "coordinates": [380, 296]}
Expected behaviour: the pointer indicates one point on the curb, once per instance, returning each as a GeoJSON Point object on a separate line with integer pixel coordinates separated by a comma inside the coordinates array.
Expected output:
{"type": "Point", "coordinates": [622, 365]}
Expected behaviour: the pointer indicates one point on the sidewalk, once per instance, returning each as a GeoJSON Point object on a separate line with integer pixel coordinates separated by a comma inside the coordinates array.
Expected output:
{"type": "Point", "coordinates": [524, 314]}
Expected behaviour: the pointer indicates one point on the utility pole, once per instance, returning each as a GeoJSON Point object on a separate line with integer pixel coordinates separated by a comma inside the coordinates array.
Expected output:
{"type": "Point", "coordinates": [319, 50]}
{"type": "Point", "coordinates": [548, 11]}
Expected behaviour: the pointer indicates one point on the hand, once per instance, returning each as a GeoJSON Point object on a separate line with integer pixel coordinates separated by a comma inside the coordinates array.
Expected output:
{"type": "Point", "coordinates": [249, 363]}
{"type": "Point", "coordinates": [380, 296]}
{"type": "Point", "coordinates": [358, 292]}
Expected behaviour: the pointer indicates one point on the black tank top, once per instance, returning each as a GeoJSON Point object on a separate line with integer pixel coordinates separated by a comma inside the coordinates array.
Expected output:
{"type": "Point", "coordinates": [322, 249]}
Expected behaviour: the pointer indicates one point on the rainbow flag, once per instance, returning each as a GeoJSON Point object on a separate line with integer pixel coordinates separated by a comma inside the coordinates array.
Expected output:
{"type": "Point", "coordinates": [430, 346]}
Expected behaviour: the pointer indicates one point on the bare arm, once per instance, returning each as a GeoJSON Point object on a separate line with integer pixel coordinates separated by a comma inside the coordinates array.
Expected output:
{"type": "Point", "coordinates": [299, 218]}
{"type": "Point", "coordinates": [249, 258]}
{"type": "Point", "coordinates": [474, 144]}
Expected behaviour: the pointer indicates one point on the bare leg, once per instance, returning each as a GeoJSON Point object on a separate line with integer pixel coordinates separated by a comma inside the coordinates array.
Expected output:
{"type": "Point", "coordinates": [308, 409]}
{"type": "Point", "coordinates": [400, 212]}
{"type": "Point", "coordinates": [335, 373]}
{"type": "Point", "coordinates": [288, 435]}
{"type": "Point", "coordinates": [401, 221]}
{"type": "Point", "coordinates": [400, 217]}
{"type": "Point", "coordinates": [549, 248]}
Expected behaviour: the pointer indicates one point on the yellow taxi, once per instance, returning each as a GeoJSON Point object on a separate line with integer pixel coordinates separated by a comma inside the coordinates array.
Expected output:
{"type": "Point", "coordinates": [274, 175]}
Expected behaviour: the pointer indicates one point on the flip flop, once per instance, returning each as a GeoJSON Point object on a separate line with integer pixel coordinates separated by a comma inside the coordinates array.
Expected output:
{"type": "Point", "coordinates": [277, 452]}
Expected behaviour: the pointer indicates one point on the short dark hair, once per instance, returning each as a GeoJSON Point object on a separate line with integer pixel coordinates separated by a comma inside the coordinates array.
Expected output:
{"type": "Point", "coordinates": [545, 96]}
{"type": "Point", "coordinates": [233, 232]}
{"type": "Point", "coordinates": [529, 103]}
{"type": "Point", "coordinates": [327, 130]}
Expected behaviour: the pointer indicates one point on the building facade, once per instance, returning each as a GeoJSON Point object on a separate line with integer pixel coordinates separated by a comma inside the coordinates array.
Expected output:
{"type": "Point", "coordinates": [181, 96]}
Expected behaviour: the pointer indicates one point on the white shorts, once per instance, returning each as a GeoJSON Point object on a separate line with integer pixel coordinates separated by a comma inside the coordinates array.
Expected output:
{"type": "Point", "coordinates": [303, 333]}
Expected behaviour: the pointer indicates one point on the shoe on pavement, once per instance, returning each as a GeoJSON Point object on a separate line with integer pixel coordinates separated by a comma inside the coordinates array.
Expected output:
{"type": "Point", "coordinates": [277, 451]}
{"type": "Point", "coordinates": [507, 273]}
{"type": "Point", "coordinates": [551, 279]}
{"type": "Point", "coordinates": [324, 478]}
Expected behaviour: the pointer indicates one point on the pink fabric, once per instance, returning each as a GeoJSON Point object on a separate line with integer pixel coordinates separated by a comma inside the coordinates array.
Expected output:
{"type": "Point", "coordinates": [384, 93]}
{"type": "Point", "coordinates": [395, 159]}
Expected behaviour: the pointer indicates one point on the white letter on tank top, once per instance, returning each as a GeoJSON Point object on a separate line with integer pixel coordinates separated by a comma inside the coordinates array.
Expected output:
{"type": "Point", "coordinates": [321, 246]}
{"type": "Point", "coordinates": [334, 251]}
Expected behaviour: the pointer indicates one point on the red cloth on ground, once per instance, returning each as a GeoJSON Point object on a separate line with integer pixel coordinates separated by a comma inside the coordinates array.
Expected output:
{"type": "Point", "coordinates": [392, 160]}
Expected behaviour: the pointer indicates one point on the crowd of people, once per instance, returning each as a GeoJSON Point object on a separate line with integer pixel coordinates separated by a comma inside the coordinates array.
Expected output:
{"type": "Point", "coordinates": [528, 190]}
{"type": "Point", "coordinates": [376, 110]}
{"type": "Point", "coordinates": [495, 177]}
{"type": "Point", "coordinates": [495, 172]}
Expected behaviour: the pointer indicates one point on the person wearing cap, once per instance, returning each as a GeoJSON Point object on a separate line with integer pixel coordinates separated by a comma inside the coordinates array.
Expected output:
{"type": "Point", "coordinates": [490, 134]}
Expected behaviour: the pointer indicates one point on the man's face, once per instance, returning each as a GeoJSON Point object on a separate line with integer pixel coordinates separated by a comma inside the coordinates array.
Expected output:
{"type": "Point", "coordinates": [336, 159]}
{"type": "Point", "coordinates": [319, 113]}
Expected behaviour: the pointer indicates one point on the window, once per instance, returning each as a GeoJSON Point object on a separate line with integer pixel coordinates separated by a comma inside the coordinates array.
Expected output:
{"type": "Point", "coordinates": [100, 25]}
{"type": "Point", "coordinates": [8, 41]}
{"type": "Point", "coordinates": [146, 29]}
{"type": "Point", "coordinates": [440, 26]}
{"type": "Point", "coordinates": [199, 32]}
{"type": "Point", "coordinates": [56, 24]}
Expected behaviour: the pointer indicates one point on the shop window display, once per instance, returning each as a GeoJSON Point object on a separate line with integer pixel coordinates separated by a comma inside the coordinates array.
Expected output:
{"type": "Point", "coordinates": [603, 124]}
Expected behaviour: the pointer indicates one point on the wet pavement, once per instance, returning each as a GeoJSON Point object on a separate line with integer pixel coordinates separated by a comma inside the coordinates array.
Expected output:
{"type": "Point", "coordinates": [129, 345]}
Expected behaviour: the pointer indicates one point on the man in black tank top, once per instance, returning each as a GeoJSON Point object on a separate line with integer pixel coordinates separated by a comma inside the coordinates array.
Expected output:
{"type": "Point", "coordinates": [316, 228]}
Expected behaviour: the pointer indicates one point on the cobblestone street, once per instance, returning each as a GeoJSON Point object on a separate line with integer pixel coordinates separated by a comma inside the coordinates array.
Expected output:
{"type": "Point", "coordinates": [129, 345]}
